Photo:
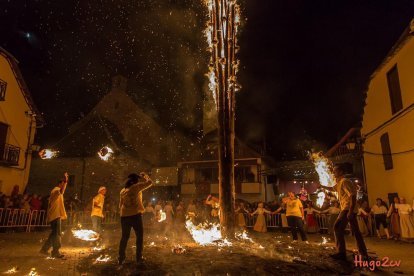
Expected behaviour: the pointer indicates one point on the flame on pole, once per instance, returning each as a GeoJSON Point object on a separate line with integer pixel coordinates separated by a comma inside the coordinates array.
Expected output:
{"type": "Point", "coordinates": [221, 34]}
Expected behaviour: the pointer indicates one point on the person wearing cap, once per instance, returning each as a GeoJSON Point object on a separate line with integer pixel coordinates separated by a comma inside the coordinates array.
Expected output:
{"type": "Point", "coordinates": [55, 214]}
{"type": "Point", "coordinates": [97, 209]}
{"type": "Point", "coordinates": [131, 210]}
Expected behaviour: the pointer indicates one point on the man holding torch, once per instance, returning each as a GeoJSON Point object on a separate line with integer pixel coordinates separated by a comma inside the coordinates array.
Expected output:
{"type": "Point", "coordinates": [131, 209]}
{"type": "Point", "coordinates": [347, 198]}
{"type": "Point", "coordinates": [55, 214]}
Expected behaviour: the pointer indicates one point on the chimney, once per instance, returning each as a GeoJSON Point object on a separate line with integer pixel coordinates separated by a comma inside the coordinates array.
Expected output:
{"type": "Point", "coordinates": [119, 83]}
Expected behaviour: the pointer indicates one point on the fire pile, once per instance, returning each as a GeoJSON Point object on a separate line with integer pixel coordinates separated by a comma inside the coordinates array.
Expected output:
{"type": "Point", "coordinates": [209, 234]}
{"type": "Point", "coordinates": [12, 270]}
{"type": "Point", "coordinates": [178, 249]}
{"type": "Point", "coordinates": [162, 216]}
{"type": "Point", "coordinates": [33, 272]}
{"type": "Point", "coordinates": [98, 248]}
{"type": "Point", "coordinates": [102, 259]}
{"type": "Point", "coordinates": [85, 235]}
{"type": "Point", "coordinates": [204, 233]}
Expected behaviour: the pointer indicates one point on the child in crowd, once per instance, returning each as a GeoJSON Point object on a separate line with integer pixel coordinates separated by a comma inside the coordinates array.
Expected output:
{"type": "Point", "coordinates": [394, 219]}
{"type": "Point", "coordinates": [260, 225]}
{"type": "Point", "coordinates": [311, 223]}
{"type": "Point", "coordinates": [380, 215]}
{"type": "Point", "coordinates": [240, 211]}
{"type": "Point", "coordinates": [362, 225]}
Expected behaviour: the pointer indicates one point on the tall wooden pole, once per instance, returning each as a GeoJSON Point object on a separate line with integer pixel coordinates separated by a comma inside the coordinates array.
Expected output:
{"type": "Point", "coordinates": [221, 35]}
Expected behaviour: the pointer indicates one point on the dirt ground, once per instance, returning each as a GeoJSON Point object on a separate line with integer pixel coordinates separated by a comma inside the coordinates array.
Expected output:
{"type": "Point", "coordinates": [269, 253]}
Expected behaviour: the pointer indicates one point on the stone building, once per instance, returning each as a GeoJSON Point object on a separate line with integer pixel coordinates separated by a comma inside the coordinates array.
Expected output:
{"type": "Point", "coordinates": [138, 141]}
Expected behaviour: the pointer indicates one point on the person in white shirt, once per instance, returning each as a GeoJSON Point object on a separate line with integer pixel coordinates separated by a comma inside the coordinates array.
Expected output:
{"type": "Point", "coordinates": [406, 219]}
{"type": "Point", "coordinates": [380, 212]}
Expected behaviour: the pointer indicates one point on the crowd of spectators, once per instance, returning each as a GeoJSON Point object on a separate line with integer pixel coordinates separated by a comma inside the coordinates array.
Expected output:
{"type": "Point", "coordinates": [23, 201]}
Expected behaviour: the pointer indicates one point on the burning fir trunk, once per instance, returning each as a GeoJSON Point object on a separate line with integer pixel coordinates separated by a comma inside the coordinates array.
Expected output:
{"type": "Point", "coordinates": [221, 35]}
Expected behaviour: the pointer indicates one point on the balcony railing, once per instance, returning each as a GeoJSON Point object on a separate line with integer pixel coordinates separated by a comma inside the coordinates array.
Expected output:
{"type": "Point", "coordinates": [9, 155]}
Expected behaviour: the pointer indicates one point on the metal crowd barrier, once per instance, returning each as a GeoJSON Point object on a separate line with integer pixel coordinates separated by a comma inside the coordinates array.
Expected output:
{"type": "Point", "coordinates": [29, 220]}
{"type": "Point", "coordinates": [272, 221]}
{"type": "Point", "coordinates": [280, 221]}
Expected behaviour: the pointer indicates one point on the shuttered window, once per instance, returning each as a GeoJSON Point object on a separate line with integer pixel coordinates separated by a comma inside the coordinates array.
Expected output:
{"type": "Point", "coordinates": [394, 90]}
{"type": "Point", "coordinates": [3, 87]}
{"type": "Point", "coordinates": [386, 151]}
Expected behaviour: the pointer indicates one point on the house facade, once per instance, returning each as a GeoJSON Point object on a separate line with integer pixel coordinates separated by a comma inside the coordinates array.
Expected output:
{"type": "Point", "coordinates": [199, 178]}
{"type": "Point", "coordinates": [388, 124]}
{"type": "Point", "coordinates": [19, 119]}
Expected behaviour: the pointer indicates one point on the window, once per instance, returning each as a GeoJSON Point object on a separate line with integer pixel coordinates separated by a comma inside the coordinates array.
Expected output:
{"type": "Point", "coordinates": [386, 151]}
{"type": "Point", "coordinates": [3, 87]}
{"type": "Point", "coordinates": [244, 174]}
{"type": "Point", "coordinates": [209, 175]}
{"type": "Point", "coordinates": [3, 137]}
{"type": "Point", "coordinates": [394, 90]}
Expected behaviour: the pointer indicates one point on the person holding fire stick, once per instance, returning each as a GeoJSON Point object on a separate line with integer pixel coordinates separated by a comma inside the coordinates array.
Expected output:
{"type": "Point", "coordinates": [131, 209]}
{"type": "Point", "coordinates": [55, 214]}
{"type": "Point", "coordinates": [347, 198]}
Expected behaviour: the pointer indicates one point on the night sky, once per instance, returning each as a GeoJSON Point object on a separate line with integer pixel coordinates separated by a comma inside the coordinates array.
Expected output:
{"type": "Point", "coordinates": [305, 64]}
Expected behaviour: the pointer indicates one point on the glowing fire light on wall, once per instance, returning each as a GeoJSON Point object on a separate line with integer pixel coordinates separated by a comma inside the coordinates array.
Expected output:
{"type": "Point", "coordinates": [47, 153]}
{"type": "Point", "coordinates": [323, 167]}
{"type": "Point", "coordinates": [105, 153]}
{"type": "Point", "coordinates": [85, 235]}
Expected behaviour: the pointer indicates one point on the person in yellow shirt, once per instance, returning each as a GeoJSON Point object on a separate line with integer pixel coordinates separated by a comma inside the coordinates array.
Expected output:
{"type": "Point", "coordinates": [131, 210]}
{"type": "Point", "coordinates": [55, 214]}
{"type": "Point", "coordinates": [97, 209]}
{"type": "Point", "coordinates": [295, 216]}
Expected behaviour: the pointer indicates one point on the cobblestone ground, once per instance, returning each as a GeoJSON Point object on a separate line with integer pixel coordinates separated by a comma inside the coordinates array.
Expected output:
{"type": "Point", "coordinates": [271, 253]}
